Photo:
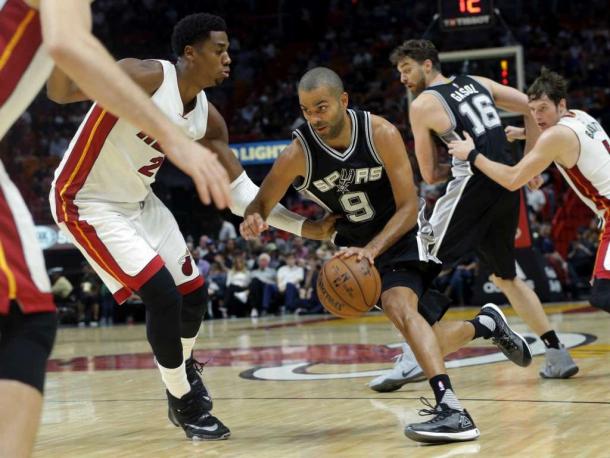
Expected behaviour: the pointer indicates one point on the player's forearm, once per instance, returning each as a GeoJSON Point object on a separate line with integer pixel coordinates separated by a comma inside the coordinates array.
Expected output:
{"type": "Point", "coordinates": [403, 220]}
{"type": "Point", "coordinates": [242, 191]}
{"type": "Point", "coordinates": [532, 132]}
{"type": "Point", "coordinates": [310, 230]}
{"type": "Point", "coordinates": [502, 174]}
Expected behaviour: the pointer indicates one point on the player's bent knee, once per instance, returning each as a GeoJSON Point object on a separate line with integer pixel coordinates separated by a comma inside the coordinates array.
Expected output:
{"type": "Point", "coordinates": [600, 294]}
{"type": "Point", "coordinates": [399, 303]}
{"type": "Point", "coordinates": [193, 308]}
{"type": "Point", "coordinates": [160, 292]}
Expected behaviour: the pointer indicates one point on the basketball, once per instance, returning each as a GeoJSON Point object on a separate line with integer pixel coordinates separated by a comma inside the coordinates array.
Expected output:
{"type": "Point", "coordinates": [347, 287]}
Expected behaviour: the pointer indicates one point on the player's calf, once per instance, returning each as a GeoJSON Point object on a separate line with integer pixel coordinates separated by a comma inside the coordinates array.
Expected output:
{"type": "Point", "coordinates": [600, 294]}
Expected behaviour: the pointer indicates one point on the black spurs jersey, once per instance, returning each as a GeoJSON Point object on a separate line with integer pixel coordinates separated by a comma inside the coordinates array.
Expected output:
{"type": "Point", "coordinates": [353, 182]}
{"type": "Point", "coordinates": [471, 108]}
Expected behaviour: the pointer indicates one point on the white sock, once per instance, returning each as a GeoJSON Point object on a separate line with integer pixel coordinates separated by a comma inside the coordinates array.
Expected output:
{"type": "Point", "coordinates": [450, 399]}
{"type": "Point", "coordinates": [187, 346]}
{"type": "Point", "coordinates": [175, 380]}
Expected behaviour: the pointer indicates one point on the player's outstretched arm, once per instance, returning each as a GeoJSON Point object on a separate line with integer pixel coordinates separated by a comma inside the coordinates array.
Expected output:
{"type": "Point", "coordinates": [148, 74]}
{"type": "Point", "coordinates": [423, 109]}
{"type": "Point", "coordinates": [393, 153]}
{"type": "Point", "coordinates": [66, 28]}
{"type": "Point", "coordinates": [554, 144]}
{"type": "Point", "coordinates": [287, 167]}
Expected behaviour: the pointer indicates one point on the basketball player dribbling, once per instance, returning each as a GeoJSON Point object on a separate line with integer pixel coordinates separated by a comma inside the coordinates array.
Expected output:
{"type": "Point", "coordinates": [475, 214]}
{"type": "Point", "coordinates": [579, 147]}
{"type": "Point", "coordinates": [27, 312]}
{"type": "Point", "coordinates": [129, 237]}
{"type": "Point", "coordinates": [355, 164]}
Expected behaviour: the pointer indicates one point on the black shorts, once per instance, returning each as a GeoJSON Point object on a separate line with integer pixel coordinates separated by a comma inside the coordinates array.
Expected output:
{"type": "Point", "coordinates": [477, 215]}
{"type": "Point", "coordinates": [26, 340]}
{"type": "Point", "coordinates": [406, 264]}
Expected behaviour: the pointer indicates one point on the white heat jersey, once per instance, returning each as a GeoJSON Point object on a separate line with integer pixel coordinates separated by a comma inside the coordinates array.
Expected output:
{"type": "Point", "coordinates": [109, 160]}
{"type": "Point", "coordinates": [590, 177]}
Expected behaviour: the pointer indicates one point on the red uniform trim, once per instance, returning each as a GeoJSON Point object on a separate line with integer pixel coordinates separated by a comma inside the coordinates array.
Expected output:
{"type": "Point", "coordinates": [71, 179]}
{"type": "Point", "coordinates": [587, 189]}
{"type": "Point", "coordinates": [122, 295]}
{"type": "Point", "coordinates": [21, 286]}
{"type": "Point", "coordinates": [20, 38]}
{"type": "Point", "coordinates": [191, 285]}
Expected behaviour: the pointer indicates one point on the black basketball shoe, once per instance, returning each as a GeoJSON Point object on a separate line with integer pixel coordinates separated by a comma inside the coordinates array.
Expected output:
{"type": "Point", "coordinates": [195, 420]}
{"type": "Point", "coordinates": [447, 425]}
{"type": "Point", "coordinates": [513, 345]}
{"type": "Point", "coordinates": [194, 374]}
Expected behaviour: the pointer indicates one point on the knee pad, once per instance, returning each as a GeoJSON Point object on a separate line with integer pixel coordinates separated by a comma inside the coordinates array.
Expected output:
{"type": "Point", "coordinates": [193, 309]}
{"type": "Point", "coordinates": [600, 294]}
{"type": "Point", "coordinates": [26, 348]}
{"type": "Point", "coordinates": [163, 306]}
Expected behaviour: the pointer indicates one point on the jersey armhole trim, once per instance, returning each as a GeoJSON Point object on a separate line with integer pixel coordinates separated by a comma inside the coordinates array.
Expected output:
{"type": "Point", "coordinates": [579, 144]}
{"type": "Point", "coordinates": [446, 107]}
{"type": "Point", "coordinates": [368, 134]}
{"type": "Point", "coordinates": [307, 178]}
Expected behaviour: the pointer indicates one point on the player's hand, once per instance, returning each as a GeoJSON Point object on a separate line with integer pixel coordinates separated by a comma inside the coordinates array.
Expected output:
{"type": "Point", "coordinates": [514, 133]}
{"type": "Point", "coordinates": [461, 148]}
{"type": "Point", "coordinates": [322, 229]}
{"type": "Point", "coordinates": [252, 226]}
{"type": "Point", "coordinates": [535, 182]}
{"type": "Point", "coordinates": [360, 253]}
{"type": "Point", "coordinates": [202, 165]}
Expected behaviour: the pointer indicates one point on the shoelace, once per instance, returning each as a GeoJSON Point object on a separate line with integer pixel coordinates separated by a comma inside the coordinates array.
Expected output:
{"type": "Point", "coordinates": [438, 412]}
{"type": "Point", "coordinates": [506, 342]}
{"type": "Point", "coordinates": [198, 366]}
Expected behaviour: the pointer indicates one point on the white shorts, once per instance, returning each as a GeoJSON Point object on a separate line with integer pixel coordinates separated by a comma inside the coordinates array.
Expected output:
{"type": "Point", "coordinates": [23, 276]}
{"type": "Point", "coordinates": [128, 243]}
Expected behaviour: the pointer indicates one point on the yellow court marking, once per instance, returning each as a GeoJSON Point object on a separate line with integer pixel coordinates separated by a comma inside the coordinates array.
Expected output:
{"type": "Point", "coordinates": [591, 351]}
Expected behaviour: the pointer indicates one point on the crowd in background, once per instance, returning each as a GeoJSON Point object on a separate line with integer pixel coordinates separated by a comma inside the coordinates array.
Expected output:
{"type": "Point", "coordinates": [272, 44]}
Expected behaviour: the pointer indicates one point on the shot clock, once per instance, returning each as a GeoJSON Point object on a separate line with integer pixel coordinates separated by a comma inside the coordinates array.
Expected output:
{"type": "Point", "coordinates": [456, 15]}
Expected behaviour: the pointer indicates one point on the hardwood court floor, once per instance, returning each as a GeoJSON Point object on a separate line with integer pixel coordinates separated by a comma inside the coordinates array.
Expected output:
{"type": "Point", "coordinates": [297, 388]}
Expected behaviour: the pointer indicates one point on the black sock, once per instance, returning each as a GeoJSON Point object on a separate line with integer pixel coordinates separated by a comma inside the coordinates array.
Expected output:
{"type": "Point", "coordinates": [480, 330]}
{"type": "Point", "coordinates": [440, 383]}
{"type": "Point", "coordinates": [550, 339]}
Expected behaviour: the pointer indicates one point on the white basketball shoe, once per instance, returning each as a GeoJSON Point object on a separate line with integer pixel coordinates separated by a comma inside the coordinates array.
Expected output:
{"type": "Point", "coordinates": [405, 370]}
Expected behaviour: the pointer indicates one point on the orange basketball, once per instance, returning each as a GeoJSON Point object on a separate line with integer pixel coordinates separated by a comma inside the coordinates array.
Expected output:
{"type": "Point", "coordinates": [348, 288]}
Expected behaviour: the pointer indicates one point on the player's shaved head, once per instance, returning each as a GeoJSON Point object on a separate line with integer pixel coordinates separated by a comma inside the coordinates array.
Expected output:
{"type": "Point", "coordinates": [321, 77]}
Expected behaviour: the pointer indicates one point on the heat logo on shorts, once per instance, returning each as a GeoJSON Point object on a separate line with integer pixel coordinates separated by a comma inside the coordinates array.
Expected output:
{"type": "Point", "coordinates": [187, 265]}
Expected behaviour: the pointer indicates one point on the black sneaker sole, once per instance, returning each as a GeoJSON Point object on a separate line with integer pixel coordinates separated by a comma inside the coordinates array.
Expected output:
{"type": "Point", "coordinates": [197, 438]}
{"type": "Point", "coordinates": [441, 438]}
{"type": "Point", "coordinates": [527, 352]}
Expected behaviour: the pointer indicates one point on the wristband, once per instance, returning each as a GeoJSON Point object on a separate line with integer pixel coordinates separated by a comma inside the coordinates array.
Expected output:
{"type": "Point", "coordinates": [472, 156]}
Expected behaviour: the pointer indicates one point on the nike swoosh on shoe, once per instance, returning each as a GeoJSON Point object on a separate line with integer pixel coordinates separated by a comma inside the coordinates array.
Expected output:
{"type": "Point", "coordinates": [409, 372]}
